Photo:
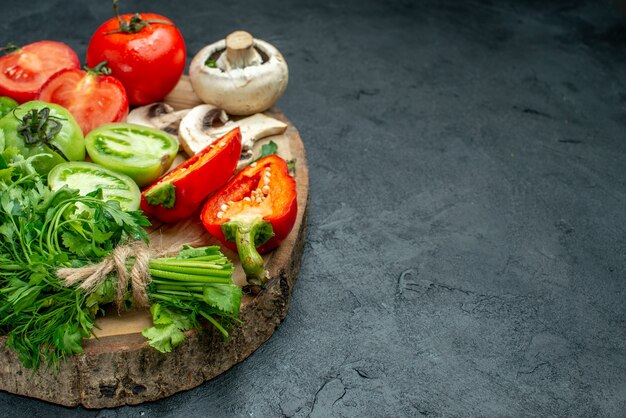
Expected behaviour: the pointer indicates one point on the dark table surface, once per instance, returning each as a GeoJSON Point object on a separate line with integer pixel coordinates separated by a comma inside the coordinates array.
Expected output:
{"type": "Point", "coordinates": [466, 252]}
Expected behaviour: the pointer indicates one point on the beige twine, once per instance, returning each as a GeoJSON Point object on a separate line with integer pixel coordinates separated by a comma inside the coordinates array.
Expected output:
{"type": "Point", "coordinates": [92, 276]}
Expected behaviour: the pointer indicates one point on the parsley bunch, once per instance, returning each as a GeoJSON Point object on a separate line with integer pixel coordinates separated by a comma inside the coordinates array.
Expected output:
{"type": "Point", "coordinates": [196, 283]}
{"type": "Point", "coordinates": [40, 231]}
{"type": "Point", "coordinates": [43, 230]}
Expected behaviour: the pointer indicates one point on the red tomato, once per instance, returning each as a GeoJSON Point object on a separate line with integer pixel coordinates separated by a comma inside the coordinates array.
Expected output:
{"type": "Point", "coordinates": [93, 99]}
{"type": "Point", "coordinates": [148, 62]}
{"type": "Point", "coordinates": [24, 71]}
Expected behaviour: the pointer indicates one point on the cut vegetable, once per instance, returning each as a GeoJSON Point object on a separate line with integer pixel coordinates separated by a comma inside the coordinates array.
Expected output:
{"type": "Point", "coordinates": [253, 213]}
{"type": "Point", "coordinates": [180, 192]}
{"type": "Point", "coordinates": [92, 97]}
{"type": "Point", "coordinates": [26, 69]}
{"type": "Point", "coordinates": [158, 115]}
{"type": "Point", "coordinates": [141, 153]}
{"type": "Point", "coordinates": [195, 128]}
{"type": "Point", "coordinates": [87, 177]}
{"type": "Point", "coordinates": [199, 128]}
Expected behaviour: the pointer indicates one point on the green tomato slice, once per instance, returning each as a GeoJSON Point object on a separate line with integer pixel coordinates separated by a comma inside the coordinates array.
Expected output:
{"type": "Point", "coordinates": [144, 154]}
{"type": "Point", "coordinates": [87, 177]}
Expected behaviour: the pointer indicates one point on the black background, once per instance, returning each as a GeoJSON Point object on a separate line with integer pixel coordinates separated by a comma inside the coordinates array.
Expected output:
{"type": "Point", "coordinates": [466, 253]}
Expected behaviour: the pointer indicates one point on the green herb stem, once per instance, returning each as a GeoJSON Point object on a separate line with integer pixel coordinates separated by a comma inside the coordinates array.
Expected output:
{"type": "Point", "coordinates": [165, 265]}
{"type": "Point", "coordinates": [186, 288]}
{"type": "Point", "coordinates": [182, 276]}
{"type": "Point", "coordinates": [199, 282]}
{"type": "Point", "coordinates": [11, 267]}
{"type": "Point", "coordinates": [215, 323]}
{"type": "Point", "coordinates": [216, 257]}
{"type": "Point", "coordinates": [182, 294]}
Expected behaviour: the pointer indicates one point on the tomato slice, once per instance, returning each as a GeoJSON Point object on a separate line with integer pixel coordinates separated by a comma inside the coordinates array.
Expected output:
{"type": "Point", "coordinates": [87, 177]}
{"type": "Point", "coordinates": [91, 98]}
{"type": "Point", "coordinates": [24, 71]}
{"type": "Point", "coordinates": [141, 153]}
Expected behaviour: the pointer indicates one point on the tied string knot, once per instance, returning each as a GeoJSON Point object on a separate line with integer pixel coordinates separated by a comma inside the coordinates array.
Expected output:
{"type": "Point", "coordinates": [92, 276]}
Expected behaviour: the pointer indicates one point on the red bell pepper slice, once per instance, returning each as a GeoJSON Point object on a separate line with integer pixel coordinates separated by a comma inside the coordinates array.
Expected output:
{"type": "Point", "coordinates": [180, 192]}
{"type": "Point", "coordinates": [253, 213]}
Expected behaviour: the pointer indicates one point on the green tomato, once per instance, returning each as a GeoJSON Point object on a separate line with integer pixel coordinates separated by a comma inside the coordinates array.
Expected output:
{"type": "Point", "coordinates": [142, 153]}
{"type": "Point", "coordinates": [45, 130]}
{"type": "Point", "coordinates": [6, 105]}
{"type": "Point", "coordinates": [87, 177]}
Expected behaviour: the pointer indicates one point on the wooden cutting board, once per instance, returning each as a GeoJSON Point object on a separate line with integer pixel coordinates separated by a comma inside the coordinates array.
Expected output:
{"type": "Point", "coordinates": [118, 367]}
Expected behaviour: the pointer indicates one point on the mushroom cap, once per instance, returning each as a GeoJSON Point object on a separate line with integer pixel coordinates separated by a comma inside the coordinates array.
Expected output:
{"type": "Point", "coordinates": [240, 91]}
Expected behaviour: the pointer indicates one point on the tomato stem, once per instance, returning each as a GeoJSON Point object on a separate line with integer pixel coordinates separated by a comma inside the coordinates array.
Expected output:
{"type": "Point", "coordinates": [135, 24]}
{"type": "Point", "coordinates": [100, 69]}
{"type": "Point", "coordinates": [10, 47]}
{"type": "Point", "coordinates": [116, 11]}
{"type": "Point", "coordinates": [38, 127]}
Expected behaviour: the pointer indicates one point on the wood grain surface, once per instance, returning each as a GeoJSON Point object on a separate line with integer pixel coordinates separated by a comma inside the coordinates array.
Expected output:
{"type": "Point", "coordinates": [118, 367]}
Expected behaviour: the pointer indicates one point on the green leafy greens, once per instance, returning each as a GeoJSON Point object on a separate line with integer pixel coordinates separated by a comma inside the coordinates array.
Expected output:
{"type": "Point", "coordinates": [40, 231]}
{"type": "Point", "coordinates": [195, 283]}
{"type": "Point", "coordinates": [43, 230]}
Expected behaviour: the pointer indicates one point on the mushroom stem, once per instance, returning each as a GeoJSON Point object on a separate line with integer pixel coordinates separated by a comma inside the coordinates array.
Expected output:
{"type": "Point", "coordinates": [240, 52]}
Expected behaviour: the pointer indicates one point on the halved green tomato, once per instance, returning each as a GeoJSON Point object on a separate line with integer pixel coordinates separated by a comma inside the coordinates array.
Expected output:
{"type": "Point", "coordinates": [142, 153]}
{"type": "Point", "coordinates": [87, 177]}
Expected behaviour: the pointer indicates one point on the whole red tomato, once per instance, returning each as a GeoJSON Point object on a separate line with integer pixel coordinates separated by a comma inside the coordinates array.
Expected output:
{"type": "Point", "coordinates": [146, 52]}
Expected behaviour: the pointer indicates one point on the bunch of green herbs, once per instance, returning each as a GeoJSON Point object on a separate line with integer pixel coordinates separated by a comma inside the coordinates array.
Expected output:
{"type": "Point", "coordinates": [42, 230]}
{"type": "Point", "coordinates": [197, 283]}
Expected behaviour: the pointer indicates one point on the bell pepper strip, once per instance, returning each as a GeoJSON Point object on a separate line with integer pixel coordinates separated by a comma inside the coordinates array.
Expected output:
{"type": "Point", "coordinates": [180, 192]}
{"type": "Point", "coordinates": [253, 213]}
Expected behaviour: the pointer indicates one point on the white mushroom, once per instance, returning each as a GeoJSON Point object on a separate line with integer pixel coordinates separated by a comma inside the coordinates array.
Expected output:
{"type": "Point", "coordinates": [157, 115]}
{"type": "Point", "coordinates": [239, 52]}
{"type": "Point", "coordinates": [194, 130]}
{"type": "Point", "coordinates": [253, 128]}
{"type": "Point", "coordinates": [245, 158]}
{"type": "Point", "coordinates": [240, 74]}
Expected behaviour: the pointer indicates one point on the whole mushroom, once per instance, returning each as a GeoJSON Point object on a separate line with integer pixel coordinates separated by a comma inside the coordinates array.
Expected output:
{"type": "Point", "coordinates": [240, 74]}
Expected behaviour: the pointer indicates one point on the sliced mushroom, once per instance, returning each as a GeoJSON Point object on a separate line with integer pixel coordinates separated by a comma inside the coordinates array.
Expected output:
{"type": "Point", "coordinates": [158, 115]}
{"type": "Point", "coordinates": [240, 74]}
{"type": "Point", "coordinates": [245, 158]}
{"type": "Point", "coordinates": [252, 128]}
{"type": "Point", "coordinates": [195, 130]}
